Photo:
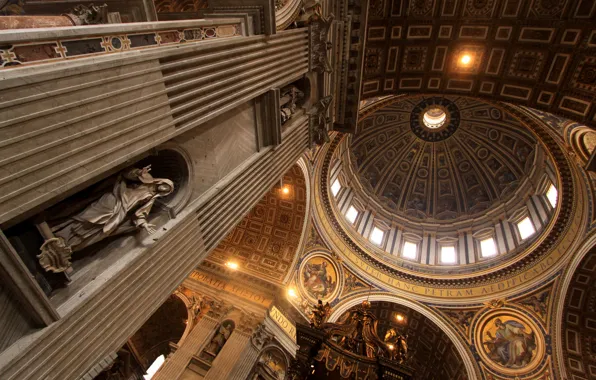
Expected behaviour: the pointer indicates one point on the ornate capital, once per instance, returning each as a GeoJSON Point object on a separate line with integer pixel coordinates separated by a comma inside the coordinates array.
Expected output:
{"type": "Point", "coordinates": [213, 308]}
{"type": "Point", "coordinates": [248, 323]}
{"type": "Point", "coordinates": [261, 337]}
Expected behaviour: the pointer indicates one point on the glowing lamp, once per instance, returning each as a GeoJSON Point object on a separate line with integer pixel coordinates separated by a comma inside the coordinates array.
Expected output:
{"type": "Point", "coordinates": [465, 60]}
{"type": "Point", "coordinates": [232, 265]}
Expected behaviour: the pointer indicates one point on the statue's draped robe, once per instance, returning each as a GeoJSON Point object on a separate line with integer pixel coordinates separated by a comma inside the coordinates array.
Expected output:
{"type": "Point", "coordinates": [108, 215]}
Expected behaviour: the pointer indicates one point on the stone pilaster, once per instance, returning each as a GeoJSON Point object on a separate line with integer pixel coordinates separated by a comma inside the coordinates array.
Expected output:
{"type": "Point", "coordinates": [177, 362]}
{"type": "Point", "coordinates": [239, 354]}
{"type": "Point", "coordinates": [250, 355]}
{"type": "Point", "coordinates": [228, 356]}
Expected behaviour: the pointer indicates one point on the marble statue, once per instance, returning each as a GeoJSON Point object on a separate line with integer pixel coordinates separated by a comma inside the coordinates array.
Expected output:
{"type": "Point", "coordinates": [122, 210]}
{"type": "Point", "coordinates": [290, 96]}
{"type": "Point", "coordinates": [219, 339]}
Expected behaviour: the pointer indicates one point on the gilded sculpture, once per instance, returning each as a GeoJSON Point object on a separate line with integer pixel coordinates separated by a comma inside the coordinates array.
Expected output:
{"type": "Point", "coordinates": [124, 209]}
{"type": "Point", "coordinates": [357, 332]}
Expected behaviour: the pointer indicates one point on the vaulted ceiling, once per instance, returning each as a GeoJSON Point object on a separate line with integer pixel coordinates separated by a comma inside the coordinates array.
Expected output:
{"type": "Point", "coordinates": [479, 159]}
{"type": "Point", "coordinates": [265, 242]}
{"type": "Point", "coordinates": [539, 53]}
{"type": "Point", "coordinates": [579, 321]}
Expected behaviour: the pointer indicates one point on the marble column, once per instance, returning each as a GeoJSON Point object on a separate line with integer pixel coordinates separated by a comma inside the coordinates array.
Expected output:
{"type": "Point", "coordinates": [177, 363]}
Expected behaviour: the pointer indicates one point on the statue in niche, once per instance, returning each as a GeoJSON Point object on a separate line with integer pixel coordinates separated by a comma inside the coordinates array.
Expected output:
{"type": "Point", "coordinates": [122, 210]}
{"type": "Point", "coordinates": [217, 342]}
{"type": "Point", "coordinates": [290, 96]}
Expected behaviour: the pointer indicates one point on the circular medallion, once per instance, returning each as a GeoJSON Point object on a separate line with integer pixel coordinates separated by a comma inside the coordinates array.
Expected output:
{"type": "Point", "coordinates": [434, 119]}
{"type": "Point", "coordinates": [319, 278]}
{"type": "Point", "coordinates": [510, 342]}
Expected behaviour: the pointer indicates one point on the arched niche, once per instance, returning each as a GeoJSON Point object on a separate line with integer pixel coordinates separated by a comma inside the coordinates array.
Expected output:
{"type": "Point", "coordinates": [173, 162]}
{"type": "Point", "coordinates": [219, 338]}
{"type": "Point", "coordinates": [432, 320]}
{"type": "Point", "coordinates": [165, 327]}
{"type": "Point", "coordinates": [272, 364]}
{"type": "Point", "coordinates": [168, 161]}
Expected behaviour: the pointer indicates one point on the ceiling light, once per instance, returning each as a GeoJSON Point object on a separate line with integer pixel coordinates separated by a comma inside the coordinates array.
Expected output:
{"type": "Point", "coordinates": [232, 265]}
{"type": "Point", "coordinates": [465, 60]}
{"type": "Point", "coordinates": [292, 293]}
{"type": "Point", "coordinates": [399, 317]}
{"type": "Point", "coordinates": [390, 346]}
{"type": "Point", "coordinates": [285, 190]}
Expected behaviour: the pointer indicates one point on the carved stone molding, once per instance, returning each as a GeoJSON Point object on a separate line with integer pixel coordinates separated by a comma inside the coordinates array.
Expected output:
{"type": "Point", "coordinates": [261, 337]}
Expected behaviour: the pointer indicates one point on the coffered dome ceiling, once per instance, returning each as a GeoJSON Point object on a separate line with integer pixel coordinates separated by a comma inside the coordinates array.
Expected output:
{"type": "Point", "coordinates": [480, 157]}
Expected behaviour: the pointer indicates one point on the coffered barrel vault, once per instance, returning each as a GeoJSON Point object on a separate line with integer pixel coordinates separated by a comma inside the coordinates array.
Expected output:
{"type": "Point", "coordinates": [538, 53]}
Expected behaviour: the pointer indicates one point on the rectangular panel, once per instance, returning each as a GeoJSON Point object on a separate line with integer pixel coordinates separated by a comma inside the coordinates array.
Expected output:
{"type": "Point", "coordinates": [396, 8]}
{"type": "Point", "coordinates": [543, 35]}
{"type": "Point", "coordinates": [439, 58]}
{"type": "Point", "coordinates": [376, 33]}
{"type": "Point", "coordinates": [449, 7]}
{"type": "Point", "coordinates": [574, 105]}
{"type": "Point", "coordinates": [511, 8]}
{"type": "Point", "coordinates": [460, 84]}
{"type": "Point", "coordinates": [557, 68]}
{"type": "Point", "coordinates": [370, 86]}
{"type": "Point", "coordinates": [516, 92]}
{"type": "Point", "coordinates": [392, 59]}
{"type": "Point", "coordinates": [585, 9]}
{"type": "Point", "coordinates": [410, 83]}
{"type": "Point", "coordinates": [494, 61]}
{"type": "Point", "coordinates": [473, 32]}
{"type": "Point", "coordinates": [420, 32]}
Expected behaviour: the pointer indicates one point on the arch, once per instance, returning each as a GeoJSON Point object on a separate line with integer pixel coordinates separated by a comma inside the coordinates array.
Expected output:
{"type": "Point", "coordinates": [190, 320]}
{"type": "Point", "coordinates": [304, 165]}
{"type": "Point", "coordinates": [559, 306]}
{"type": "Point", "coordinates": [280, 353]}
{"type": "Point", "coordinates": [165, 325]}
{"type": "Point", "coordinates": [470, 364]}
{"type": "Point", "coordinates": [287, 13]}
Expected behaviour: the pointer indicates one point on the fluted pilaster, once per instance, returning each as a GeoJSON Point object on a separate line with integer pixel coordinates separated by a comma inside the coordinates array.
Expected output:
{"type": "Point", "coordinates": [224, 363]}
{"type": "Point", "coordinates": [177, 363]}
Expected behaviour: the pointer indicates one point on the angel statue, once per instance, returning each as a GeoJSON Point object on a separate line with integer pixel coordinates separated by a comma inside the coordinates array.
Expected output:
{"type": "Point", "coordinates": [124, 209]}
{"type": "Point", "coordinates": [397, 345]}
{"type": "Point", "coordinates": [319, 314]}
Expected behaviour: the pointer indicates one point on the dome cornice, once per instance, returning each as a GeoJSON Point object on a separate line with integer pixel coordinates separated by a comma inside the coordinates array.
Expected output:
{"type": "Point", "coordinates": [536, 260]}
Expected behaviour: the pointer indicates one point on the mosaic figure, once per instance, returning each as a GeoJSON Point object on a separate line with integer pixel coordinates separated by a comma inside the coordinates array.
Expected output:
{"type": "Point", "coordinates": [511, 346]}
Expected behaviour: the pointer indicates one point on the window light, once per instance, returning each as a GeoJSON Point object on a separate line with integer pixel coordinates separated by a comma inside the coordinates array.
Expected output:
{"type": "Point", "coordinates": [152, 370]}
{"type": "Point", "coordinates": [377, 236]}
{"type": "Point", "coordinates": [448, 255]}
{"type": "Point", "coordinates": [488, 247]}
{"type": "Point", "coordinates": [552, 195]}
{"type": "Point", "coordinates": [352, 214]}
{"type": "Point", "coordinates": [410, 250]}
{"type": "Point", "coordinates": [335, 187]}
{"type": "Point", "coordinates": [526, 228]}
